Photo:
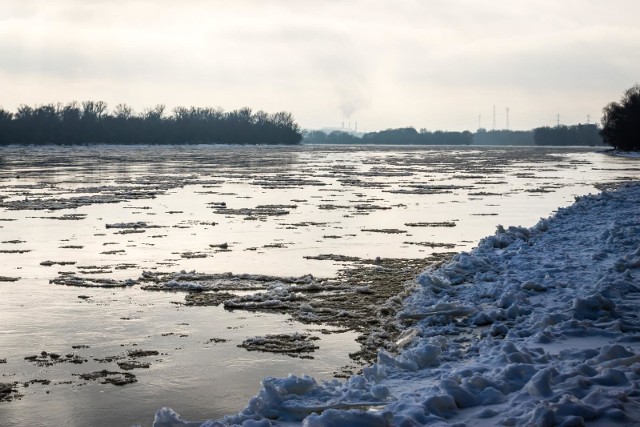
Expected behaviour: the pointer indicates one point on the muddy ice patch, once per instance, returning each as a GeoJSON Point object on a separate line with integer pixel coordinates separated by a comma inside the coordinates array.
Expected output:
{"type": "Point", "coordinates": [431, 224]}
{"type": "Point", "coordinates": [199, 282]}
{"type": "Point", "coordinates": [49, 263]}
{"type": "Point", "coordinates": [260, 212]}
{"type": "Point", "coordinates": [109, 377]}
{"type": "Point", "coordinates": [294, 345]}
{"type": "Point", "coordinates": [91, 282]}
{"type": "Point", "coordinates": [130, 227]}
{"type": "Point", "coordinates": [364, 297]}
{"type": "Point", "coordinates": [49, 359]}
{"type": "Point", "coordinates": [9, 392]}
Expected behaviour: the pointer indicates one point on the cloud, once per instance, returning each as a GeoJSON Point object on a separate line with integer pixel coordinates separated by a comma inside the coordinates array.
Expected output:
{"type": "Point", "coordinates": [562, 62]}
{"type": "Point", "coordinates": [383, 63]}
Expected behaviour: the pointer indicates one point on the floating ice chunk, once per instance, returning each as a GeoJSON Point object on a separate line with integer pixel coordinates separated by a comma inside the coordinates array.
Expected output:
{"type": "Point", "coordinates": [306, 308]}
{"type": "Point", "coordinates": [137, 224]}
{"type": "Point", "coordinates": [189, 286]}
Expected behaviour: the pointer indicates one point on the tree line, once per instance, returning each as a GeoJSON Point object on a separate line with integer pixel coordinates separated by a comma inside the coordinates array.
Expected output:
{"type": "Point", "coordinates": [559, 135]}
{"type": "Point", "coordinates": [410, 136]}
{"type": "Point", "coordinates": [588, 134]}
{"type": "Point", "coordinates": [92, 122]}
{"type": "Point", "coordinates": [621, 121]}
{"type": "Point", "coordinates": [400, 136]}
{"type": "Point", "coordinates": [503, 137]}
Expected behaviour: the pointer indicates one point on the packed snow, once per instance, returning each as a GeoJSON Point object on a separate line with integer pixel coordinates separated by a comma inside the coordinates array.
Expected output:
{"type": "Point", "coordinates": [536, 326]}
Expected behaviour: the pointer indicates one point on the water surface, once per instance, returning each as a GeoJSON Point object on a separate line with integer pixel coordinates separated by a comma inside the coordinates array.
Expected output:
{"type": "Point", "coordinates": [272, 206]}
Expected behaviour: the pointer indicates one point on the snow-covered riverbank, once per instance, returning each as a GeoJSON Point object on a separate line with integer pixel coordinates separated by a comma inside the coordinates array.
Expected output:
{"type": "Point", "coordinates": [535, 326]}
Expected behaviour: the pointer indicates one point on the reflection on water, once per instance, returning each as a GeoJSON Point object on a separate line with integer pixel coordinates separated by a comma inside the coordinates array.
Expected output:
{"type": "Point", "coordinates": [272, 209]}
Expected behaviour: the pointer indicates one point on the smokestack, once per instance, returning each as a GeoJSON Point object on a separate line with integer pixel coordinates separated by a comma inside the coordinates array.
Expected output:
{"type": "Point", "coordinates": [356, 126]}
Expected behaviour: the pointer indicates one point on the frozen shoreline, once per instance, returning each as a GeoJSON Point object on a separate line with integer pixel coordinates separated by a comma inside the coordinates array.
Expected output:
{"type": "Point", "coordinates": [535, 325]}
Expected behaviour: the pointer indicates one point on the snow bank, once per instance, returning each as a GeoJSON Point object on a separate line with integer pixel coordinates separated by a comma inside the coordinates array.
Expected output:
{"type": "Point", "coordinates": [536, 326]}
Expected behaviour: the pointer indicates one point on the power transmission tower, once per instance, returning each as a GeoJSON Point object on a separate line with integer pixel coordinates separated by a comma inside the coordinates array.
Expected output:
{"type": "Point", "coordinates": [494, 117]}
{"type": "Point", "coordinates": [558, 120]}
{"type": "Point", "coordinates": [507, 118]}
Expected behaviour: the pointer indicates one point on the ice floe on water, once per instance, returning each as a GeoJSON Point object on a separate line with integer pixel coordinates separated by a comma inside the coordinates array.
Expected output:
{"type": "Point", "coordinates": [535, 326]}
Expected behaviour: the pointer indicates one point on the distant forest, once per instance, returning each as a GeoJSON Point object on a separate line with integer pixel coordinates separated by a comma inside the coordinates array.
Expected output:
{"type": "Point", "coordinates": [91, 122]}
{"type": "Point", "coordinates": [579, 135]}
{"type": "Point", "coordinates": [401, 136]}
{"type": "Point", "coordinates": [568, 135]}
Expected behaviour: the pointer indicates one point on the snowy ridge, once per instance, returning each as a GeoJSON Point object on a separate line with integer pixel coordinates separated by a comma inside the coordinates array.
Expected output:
{"type": "Point", "coordinates": [535, 326]}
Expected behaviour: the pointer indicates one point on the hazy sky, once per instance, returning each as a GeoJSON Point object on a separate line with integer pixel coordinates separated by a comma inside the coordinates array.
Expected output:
{"type": "Point", "coordinates": [437, 64]}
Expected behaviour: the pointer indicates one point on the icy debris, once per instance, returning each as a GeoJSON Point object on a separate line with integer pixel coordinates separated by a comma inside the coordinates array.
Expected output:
{"type": "Point", "coordinates": [132, 225]}
{"type": "Point", "coordinates": [439, 313]}
{"type": "Point", "coordinates": [529, 328]}
{"type": "Point", "coordinates": [219, 281]}
{"type": "Point", "coordinates": [185, 286]}
{"type": "Point", "coordinates": [50, 263]}
{"type": "Point", "coordinates": [333, 257]}
{"type": "Point", "coordinates": [221, 246]}
{"type": "Point", "coordinates": [406, 337]}
{"type": "Point", "coordinates": [142, 353]}
{"type": "Point", "coordinates": [294, 398]}
{"type": "Point", "coordinates": [383, 230]}
{"type": "Point", "coordinates": [353, 418]}
{"type": "Point", "coordinates": [260, 212]}
{"type": "Point", "coordinates": [128, 365]}
{"type": "Point", "coordinates": [207, 298]}
{"type": "Point", "coordinates": [431, 224]}
{"type": "Point", "coordinates": [87, 282]}
{"type": "Point", "coordinates": [191, 255]}
{"type": "Point", "coordinates": [49, 359]}
{"type": "Point", "coordinates": [364, 297]}
{"type": "Point", "coordinates": [289, 344]}
{"type": "Point", "coordinates": [9, 392]}
{"type": "Point", "coordinates": [533, 286]}
{"type": "Point", "coordinates": [109, 377]}
{"type": "Point", "coordinates": [593, 307]}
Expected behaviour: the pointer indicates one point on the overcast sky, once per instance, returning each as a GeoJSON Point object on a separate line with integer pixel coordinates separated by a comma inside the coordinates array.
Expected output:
{"type": "Point", "coordinates": [437, 64]}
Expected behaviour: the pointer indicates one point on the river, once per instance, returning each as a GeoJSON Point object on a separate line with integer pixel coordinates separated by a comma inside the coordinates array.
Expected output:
{"type": "Point", "coordinates": [114, 212]}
